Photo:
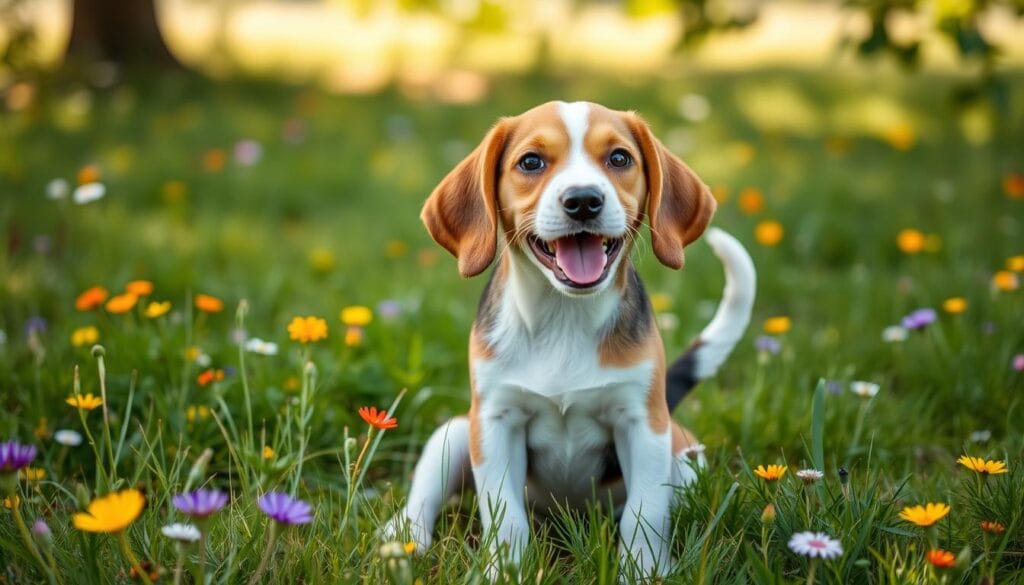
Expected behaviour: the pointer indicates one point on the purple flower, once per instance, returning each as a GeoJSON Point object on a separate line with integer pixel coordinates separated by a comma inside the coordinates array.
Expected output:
{"type": "Point", "coordinates": [286, 509]}
{"type": "Point", "coordinates": [767, 344]}
{"type": "Point", "coordinates": [248, 152]}
{"type": "Point", "coordinates": [919, 319]}
{"type": "Point", "coordinates": [1018, 362]}
{"type": "Point", "coordinates": [200, 503]}
{"type": "Point", "coordinates": [389, 309]}
{"type": "Point", "coordinates": [834, 387]}
{"type": "Point", "coordinates": [40, 528]}
{"type": "Point", "coordinates": [14, 456]}
{"type": "Point", "coordinates": [35, 326]}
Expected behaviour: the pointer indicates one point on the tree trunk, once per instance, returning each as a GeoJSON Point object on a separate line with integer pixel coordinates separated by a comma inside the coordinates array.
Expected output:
{"type": "Point", "coordinates": [122, 31]}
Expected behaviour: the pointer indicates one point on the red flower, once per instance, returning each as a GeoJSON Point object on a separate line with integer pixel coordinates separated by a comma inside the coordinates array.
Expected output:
{"type": "Point", "coordinates": [210, 376]}
{"type": "Point", "coordinates": [377, 419]}
{"type": "Point", "coordinates": [942, 559]}
{"type": "Point", "coordinates": [992, 527]}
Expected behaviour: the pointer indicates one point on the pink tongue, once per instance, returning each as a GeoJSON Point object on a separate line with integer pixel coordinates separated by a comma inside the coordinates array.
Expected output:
{"type": "Point", "coordinates": [581, 257]}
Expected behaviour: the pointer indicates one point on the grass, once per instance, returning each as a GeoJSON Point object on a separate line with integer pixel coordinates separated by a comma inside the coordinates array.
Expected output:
{"type": "Point", "coordinates": [328, 218]}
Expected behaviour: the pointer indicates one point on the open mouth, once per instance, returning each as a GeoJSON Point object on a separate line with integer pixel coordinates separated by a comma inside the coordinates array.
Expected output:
{"type": "Point", "coordinates": [581, 260]}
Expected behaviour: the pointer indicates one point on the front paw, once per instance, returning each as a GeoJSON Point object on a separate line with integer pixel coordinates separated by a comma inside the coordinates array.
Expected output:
{"type": "Point", "coordinates": [400, 528]}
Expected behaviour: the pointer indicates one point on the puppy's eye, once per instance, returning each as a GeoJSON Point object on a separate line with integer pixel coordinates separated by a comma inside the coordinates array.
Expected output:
{"type": "Point", "coordinates": [531, 163]}
{"type": "Point", "coordinates": [619, 158]}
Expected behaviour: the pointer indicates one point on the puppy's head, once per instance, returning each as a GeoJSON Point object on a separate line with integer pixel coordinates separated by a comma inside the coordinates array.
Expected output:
{"type": "Point", "coordinates": [570, 185]}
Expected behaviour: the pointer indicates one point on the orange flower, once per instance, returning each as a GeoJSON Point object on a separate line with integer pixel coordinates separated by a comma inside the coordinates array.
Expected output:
{"type": "Point", "coordinates": [91, 298]}
{"type": "Point", "coordinates": [751, 200]}
{"type": "Point", "coordinates": [268, 452]}
{"type": "Point", "coordinates": [770, 473]}
{"type": "Point", "coordinates": [88, 174]}
{"type": "Point", "coordinates": [307, 329]}
{"type": "Point", "coordinates": [1015, 263]}
{"type": "Point", "coordinates": [214, 160]}
{"type": "Point", "coordinates": [942, 559]}
{"type": "Point", "coordinates": [979, 465]}
{"type": "Point", "coordinates": [139, 288]}
{"type": "Point", "coordinates": [910, 241]}
{"type": "Point", "coordinates": [353, 336]}
{"type": "Point", "coordinates": [209, 376]}
{"type": "Point", "coordinates": [900, 136]}
{"type": "Point", "coordinates": [1005, 280]}
{"type": "Point", "coordinates": [1013, 185]}
{"type": "Point", "coordinates": [209, 304]}
{"type": "Point", "coordinates": [992, 527]}
{"type": "Point", "coordinates": [378, 420]}
{"type": "Point", "coordinates": [955, 305]}
{"type": "Point", "coordinates": [769, 232]}
{"type": "Point", "coordinates": [122, 303]}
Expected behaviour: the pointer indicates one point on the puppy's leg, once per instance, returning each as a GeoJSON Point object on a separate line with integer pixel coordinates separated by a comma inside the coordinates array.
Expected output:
{"type": "Point", "coordinates": [439, 473]}
{"type": "Point", "coordinates": [645, 527]}
{"type": "Point", "coordinates": [686, 461]}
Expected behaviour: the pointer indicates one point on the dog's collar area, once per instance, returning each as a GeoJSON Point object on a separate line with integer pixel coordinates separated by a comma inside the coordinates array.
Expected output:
{"type": "Point", "coordinates": [580, 261]}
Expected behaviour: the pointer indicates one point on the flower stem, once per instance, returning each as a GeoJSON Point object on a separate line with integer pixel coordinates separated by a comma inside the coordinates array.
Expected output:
{"type": "Point", "coordinates": [243, 309]}
{"type": "Point", "coordinates": [353, 479]}
{"type": "Point", "coordinates": [812, 571]}
{"type": "Point", "coordinates": [271, 541]}
{"type": "Point", "coordinates": [127, 550]}
{"type": "Point", "coordinates": [102, 370]}
{"type": "Point", "coordinates": [27, 537]}
{"type": "Point", "coordinates": [179, 564]}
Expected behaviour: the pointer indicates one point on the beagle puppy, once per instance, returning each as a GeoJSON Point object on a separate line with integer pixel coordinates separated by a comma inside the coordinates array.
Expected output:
{"type": "Point", "coordinates": [571, 395]}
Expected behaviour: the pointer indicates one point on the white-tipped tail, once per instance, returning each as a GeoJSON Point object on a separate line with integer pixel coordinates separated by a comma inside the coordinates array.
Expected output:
{"type": "Point", "coordinates": [733, 315]}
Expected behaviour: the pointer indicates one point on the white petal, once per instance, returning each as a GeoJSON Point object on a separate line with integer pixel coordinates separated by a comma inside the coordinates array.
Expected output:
{"type": "Point", "coordinates": [88, 193]}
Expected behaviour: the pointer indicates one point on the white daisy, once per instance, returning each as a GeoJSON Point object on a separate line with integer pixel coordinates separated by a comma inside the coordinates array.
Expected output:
{"type": "Point", "coordinates": [68, 438]}
{"type": "Point", "coordinates": [810, 475]}
{"type": "Point", "coordinates": [815, 544]}
{"type": "Point", "coordinates": [257, 345]}
{"type": "Point", "coordinates": [981, 436]}
{"type": "Point", "coordinates": [894, 334]}
{"type": "Point", "coordinates": [88, 193]}
{"type": "Point", "coordinates": [864, 389]}
{"type": "Point", "coordinates": [693, 451]}
{"type": "Point", "coordinates": [57, 189]}
{"type": "Point", "coordinates": [181, 532]}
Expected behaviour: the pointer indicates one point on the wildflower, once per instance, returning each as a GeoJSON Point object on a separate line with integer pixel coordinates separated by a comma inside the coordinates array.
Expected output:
{"type": "Point", "coordinates": [864, 389]}
{"type": "Point", "coordinates": [174, 191]}
{"type": "Point", "coordinates": [209, 376]}
{"type": "Point", "coordinates": [1013, 185]}
{"type": "Point", "coordinates": [285, 509]}
{"type": "Point", "coordinates": [769, 233]}
{"type": "Point", "coordinates": [834, 387]}
{"type": "Point", "coordinates": [815, 545]}
{"type": "Point", "coordinates": [377, 419]}
{"type": "Point", "coordinates": [41, 529]}
{"type": "Point", "coordinates": [395, 248]}
{"type": "Point", "coordinates": [1018, 362]}
{"type": "Point", "coordinates": [1015, 263]}
{"type": "Point", "coordinates": [292, 383]}
{"type": "Point", "coordinates": [660, 302]}
{"type": "Point", "coordinates": [777, 325]}
{"type": "Point", "coordinates": [1005, 280]}
{"type": "Point", "coordinates": [307, 329]}
{"type": "Point", "coordinates": [353, 336]}
{"type": "Point", "coordinates": [68, 438]}
{"type": "Point", "coordinates": [954, 305]}
{"type": "Point", "coordinates": [767, 344]}
{"type": "Point", "coordinates": [751, 200]}
{"type": "Point", "coordinates": [139, 288]}
{"type": "Point", "coordinates": [919, 319]}
{"type": "Point", "coordinates": [84, 402]}
{"type": "Point", "coordinates": [321, 259]}
{"type": "Point", "coordinates": [35, 326]}
{"type": "Point", "coordinates": [257, 345]}
{"type": "Point", "coordinates": [356, 316]}
{"type": "Point", "coordinates": [770, 473]}
{"type": "Point", "coordinates": [208, 303]}
{"type": "Point", "coordinates": [992, 527]}
{"type": "Point", "coordinates": [924, 515]}
{"type": "Point", "coordinates": [214, 159]}
{"type": "Point", "coordinates": [248, 152]}
{"type": "Point", "coordinates": [57, 189]}
{"type": "Point", "coordinates": [157, 309]}
{"type": "Point", "coordinates": [768, 513]}
{"type": "Point", "coordinates": [900, 136]}
{"type": "Point", "coordinates": [910, 241]}
{"type": "Point", "coordinates": [894, 334]}
{"type": "Point", "coordinates": [268, 452]}
{"type": "Point", "coordinates": [200, 503]}
{"type": "Point", "coordinates": [14, 456]}
{"type": "Point", "coordinates": [111, 513]}
{"type": "Point", "coordinates": [693, 451]}
{"type": "Point", "coordinates": [91, 298]}
{"type": "Point", "coordinates": [667, 321]}
{"type": "Point", "coordinates": [981, 436]}
{"type": "Point", "coordinates": [197, 412]}
{"type": "Point", "coordinates": [12, 502]}
{"type": "Point", "coordinates": [122, 303]}
{"type": "Point", "coordinates": [85, 336]}
{"type": "Point", "coordinates": [982, 466]}
{"type": "Point", "coordinates": [181, 532]}
{"type": "Point", "coordinates": [89, 192]}
{"type": "Point", "coordinates": [941, 559]}
{"type": "Point", "coordinates": [33, 473]}
{"type": "Point", "coordinates": [89, 174]}
{"type": "Point", "coordinates": [810, 476]}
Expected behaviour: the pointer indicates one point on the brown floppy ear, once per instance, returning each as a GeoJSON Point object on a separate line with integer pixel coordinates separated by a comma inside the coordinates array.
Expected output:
{"type": "Point", "coordinates": [462, 212]}
{"type": "Point", "coordinates": [679, 204]}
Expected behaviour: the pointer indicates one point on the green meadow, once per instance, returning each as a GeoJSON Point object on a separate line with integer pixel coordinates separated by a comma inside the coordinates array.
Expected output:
{"type": "Point", "coordinates": [862, 196]}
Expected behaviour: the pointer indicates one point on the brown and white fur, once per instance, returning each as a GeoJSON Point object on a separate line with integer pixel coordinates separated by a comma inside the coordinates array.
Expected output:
{"type": "Point", "coordinates": [570, 391]}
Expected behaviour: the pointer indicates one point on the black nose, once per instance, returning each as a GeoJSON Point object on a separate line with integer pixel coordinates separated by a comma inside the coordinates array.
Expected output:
{"type": "Point", "coordinates": [582, 203]}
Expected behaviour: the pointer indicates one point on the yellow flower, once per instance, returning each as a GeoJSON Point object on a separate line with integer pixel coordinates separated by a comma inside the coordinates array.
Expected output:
{"type": "Point", "coordinates": [122, 303]}
{"type": "Point", "coordinates": [353, 336]}
{"type": "Point", "coordinates": [307, 329]}
{"type": "Point", "coordinates": [85, 336]}
{"type": "Point", "coordinates": [33, 473]}
{"type": "Point", "coordinates": [954, 305]}
{"type": "Point", "coordinates": [84, 402]}
{"type": "Point", "coordinates": [139, 288]}
{"type": "Point", "coordinates": [174, 191]}
{"type": "Point", "coordinates": [925, 515]}
{"type": "Point", "coordinates": [268, 452]}
{"type": "Point", "coordinates": [321, 259]}
{"type": "Point", "coordinates": [751, 200]}
{"type": "Point", "coordinates": [209, 303]}
{"type": "Point", "coordinates": [356, 316]}
{"type": "Point", "coordinates": [197, 412]}
{"type": "Point", "coordinates": [157, 309]}
{"type": "Point", "coordinates": [395, 248]}
{"type": "Point", "coordinates": [769, 232]}
{"type": "Point", "coordinates": [770, 473]}
{"type": "Point", "coordinates": [12, 502]}
{"type": "Point", "coordinates": [292, 383]}
{"type": "Point", "coordinates": [910, 241]}
{"type": "Point", "coordinates": [1015, 263]}
{"type": "Point", "coordinates": [409, 547]}
{"type": "Point", "coordinates": [900, 136]}
{"type": "Point", "coordinates": [982, 466]}
{"type": "Point", "coordinates": [1005, 280]}
{"type": "Point", "coordinates": [111, 513]}
{"type": "Point", "coordinates": [777, 325]}
{"type": "Point", "coordinates": [661, 302]}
